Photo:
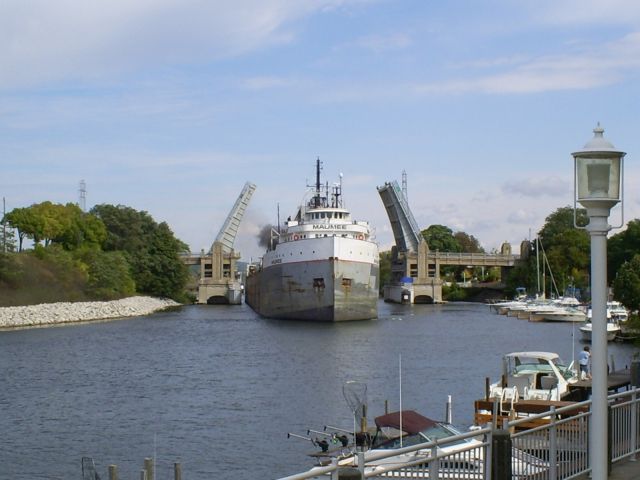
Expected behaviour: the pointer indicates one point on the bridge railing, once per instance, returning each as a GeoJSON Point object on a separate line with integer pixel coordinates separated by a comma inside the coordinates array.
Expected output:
{"type": "Point", "coordinates": [475, 259]}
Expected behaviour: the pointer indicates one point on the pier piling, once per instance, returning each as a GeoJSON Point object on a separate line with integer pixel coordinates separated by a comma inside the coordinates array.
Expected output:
{"type": "Point", "coordinates": [148, 468]}
{"type": "Point", "coordinates": [113, 472]}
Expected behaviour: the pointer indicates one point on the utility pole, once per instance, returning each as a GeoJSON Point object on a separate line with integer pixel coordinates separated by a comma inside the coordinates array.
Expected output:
{"type": "Point", "coordinates": [4, 226]}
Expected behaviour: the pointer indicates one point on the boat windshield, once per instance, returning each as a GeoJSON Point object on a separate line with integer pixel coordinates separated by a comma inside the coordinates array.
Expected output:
{"type": "Point", "coordinates": [564, 370]}
{"type": "Point", "coordinates": [435, 432]}
{"type": "Point", "coordinates": [520, 365]}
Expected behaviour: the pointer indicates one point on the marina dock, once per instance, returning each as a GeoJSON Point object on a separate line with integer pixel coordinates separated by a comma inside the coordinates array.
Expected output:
{"type": "Point", "coordinates": [616, 381]}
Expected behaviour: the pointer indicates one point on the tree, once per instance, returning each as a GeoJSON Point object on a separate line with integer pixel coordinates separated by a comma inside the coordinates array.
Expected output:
{"type": "Point", "coordinates": [109, 275]}
{"type": "Point", "coordinates": [567, 248]}
{"type": "Point", "coordinates": [27, 223]}
{"type": "Point", "coordinates": [468, 243]}
{"type": "Point", "coordinates": [385, 268]}
{"type": "Point", "coordinates": [626, 286]}
{"type": "Point", "coordinates": [622, 246]}
{"type": "Point", "coordinates": [49, 223]}
{"type": "Point", "coordinates": [7, 240]}
{"type": "Point", "coordinates": [559, 222]}
{"type": "Point", "coordinates": [80, 229]}
{"type": "Point", "coordinates": [151, 249]}
{"type": "Point", "coordinates": [441, 238]}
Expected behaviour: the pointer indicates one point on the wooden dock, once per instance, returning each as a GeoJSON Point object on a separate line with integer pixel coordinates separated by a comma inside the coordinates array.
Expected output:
{"type": "Point", "coordinates": [578, 392]}
{"type": "Point", "coordinates": [521, 409]}
{"type": "Point", "coordinates": [616, 381]}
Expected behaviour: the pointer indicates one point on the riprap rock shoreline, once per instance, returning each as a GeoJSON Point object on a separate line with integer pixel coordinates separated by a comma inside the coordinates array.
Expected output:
{"type": "Point", "coordinates": [69, 312]}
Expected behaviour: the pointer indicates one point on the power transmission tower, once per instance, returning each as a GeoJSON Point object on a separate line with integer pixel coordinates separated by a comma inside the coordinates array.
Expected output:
{"type": "Point", "coordinates": [83, 195]}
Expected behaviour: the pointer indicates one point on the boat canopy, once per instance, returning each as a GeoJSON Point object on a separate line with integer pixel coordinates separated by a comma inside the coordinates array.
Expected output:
{"type": "Point", "coordinates": [549, 356]}
{"type": "Point", "coordinates": [412, 422]}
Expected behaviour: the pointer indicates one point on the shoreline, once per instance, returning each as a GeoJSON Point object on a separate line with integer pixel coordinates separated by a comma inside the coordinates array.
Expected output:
{"type": "Point", "coordinates": [61, 313]}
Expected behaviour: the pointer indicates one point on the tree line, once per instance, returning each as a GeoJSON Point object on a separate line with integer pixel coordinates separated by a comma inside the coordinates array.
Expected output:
{"type": "Point", "coordinates": [560, 251]}
{"type": "Point", "coordinates": [110, 252]}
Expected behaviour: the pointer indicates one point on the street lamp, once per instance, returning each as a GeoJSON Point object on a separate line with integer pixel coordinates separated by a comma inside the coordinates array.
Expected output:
{"type": "Point", "coordinates": [598, 188]}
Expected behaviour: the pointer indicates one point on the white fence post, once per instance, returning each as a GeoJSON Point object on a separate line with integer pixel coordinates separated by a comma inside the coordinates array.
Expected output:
{"type": "Point", "coordinates": [434, 464]}
{"type": "Point", "coordinates": [553, 446]}
{"type": "Point", "coordinates": [634, 424]}
{"type": "Point", "coordinates": [488, 454]}
{"type": "Point", "coordinates": [361, 463]}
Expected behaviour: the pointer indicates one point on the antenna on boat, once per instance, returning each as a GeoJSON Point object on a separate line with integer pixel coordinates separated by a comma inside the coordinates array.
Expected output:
{"type": "Point", "coordinates": [318, 185]}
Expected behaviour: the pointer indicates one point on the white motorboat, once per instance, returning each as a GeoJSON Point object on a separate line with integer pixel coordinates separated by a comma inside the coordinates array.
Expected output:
{"type": "Point", "coordinates": [616, 314]}
{"type": "Point", "coordinates": [613, 329]}
{"type": "Point", "coordinates": [533, 376]}
{"type": "Point", "coordinates": [563, 314]}
{"type": "Point", "coordinates": [463, 453]}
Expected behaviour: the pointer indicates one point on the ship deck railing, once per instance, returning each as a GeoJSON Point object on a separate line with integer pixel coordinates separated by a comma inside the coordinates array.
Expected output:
{"type": "Point", "coordinates": [556, 449]}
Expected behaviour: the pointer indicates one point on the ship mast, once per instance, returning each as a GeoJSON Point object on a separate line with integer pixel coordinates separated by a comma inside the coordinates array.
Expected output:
{"type": "Point", "coordinates": [317, 198]}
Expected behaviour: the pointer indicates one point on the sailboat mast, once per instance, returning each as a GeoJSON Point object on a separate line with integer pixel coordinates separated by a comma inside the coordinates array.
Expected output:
{"type": "Point", "coordinates": [538, 263]}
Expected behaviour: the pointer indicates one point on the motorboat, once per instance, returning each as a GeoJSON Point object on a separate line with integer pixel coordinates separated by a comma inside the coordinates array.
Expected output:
{"type": "Point", "coordinates": [533, 376]}
{"type": "Point", "coordinates": [562, 314]}
{"type": "Point", "coordinates": [613, 329]}
{"type": "Point", "coordinates": [616, 315]}
{"type": "Point", "coordinates": [462, 453]}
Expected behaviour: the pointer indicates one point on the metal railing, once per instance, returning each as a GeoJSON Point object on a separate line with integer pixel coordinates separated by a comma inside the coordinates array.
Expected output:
{"type": "Point", "coordinates": [556, 449]}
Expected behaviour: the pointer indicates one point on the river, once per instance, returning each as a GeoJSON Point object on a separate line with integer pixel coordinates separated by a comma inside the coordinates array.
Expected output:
{"type": "Point", "coordinates": [217, 388]}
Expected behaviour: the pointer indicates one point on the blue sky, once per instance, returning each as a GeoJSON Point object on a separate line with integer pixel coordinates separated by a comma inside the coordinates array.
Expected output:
{"type": "Point", "coordinates": [169, 106]}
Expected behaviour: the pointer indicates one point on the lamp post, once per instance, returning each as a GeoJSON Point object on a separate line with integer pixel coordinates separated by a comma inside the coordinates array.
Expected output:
{"type": "Point", "coordinates": [598, 187]}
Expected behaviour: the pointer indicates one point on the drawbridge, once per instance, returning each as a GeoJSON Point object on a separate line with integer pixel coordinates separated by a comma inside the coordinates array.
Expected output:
{"type": "Point", "coordinates": [415, 270]}
{"type": "Point", "coordinates": [219, 281]}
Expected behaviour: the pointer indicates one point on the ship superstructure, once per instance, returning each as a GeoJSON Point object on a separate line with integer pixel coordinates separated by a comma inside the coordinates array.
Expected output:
{"type": "Point", "coordinates": [322, 265]}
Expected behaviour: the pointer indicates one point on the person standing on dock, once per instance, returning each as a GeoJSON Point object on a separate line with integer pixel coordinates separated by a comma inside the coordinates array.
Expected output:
{"type": "Point", "coordinates": [583, 359]}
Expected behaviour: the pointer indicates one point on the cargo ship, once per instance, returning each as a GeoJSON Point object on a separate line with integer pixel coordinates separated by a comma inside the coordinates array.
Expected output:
{"type": "Point", "coordinates": [322, 265]}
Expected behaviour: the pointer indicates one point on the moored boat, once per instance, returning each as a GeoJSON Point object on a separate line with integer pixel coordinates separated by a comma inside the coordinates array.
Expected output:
{"type": "Point", "coordinates": [322, 266]}
{"type": "Point", "coordinates": [404, 443]}
{"type": "Point", "coordinates": [533, 376]}
{"type": "Point", "coordinates": [613, 329]}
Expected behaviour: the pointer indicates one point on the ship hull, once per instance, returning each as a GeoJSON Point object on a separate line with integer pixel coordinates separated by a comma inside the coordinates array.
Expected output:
{"type": "Point", "coordinates": [323, 290]}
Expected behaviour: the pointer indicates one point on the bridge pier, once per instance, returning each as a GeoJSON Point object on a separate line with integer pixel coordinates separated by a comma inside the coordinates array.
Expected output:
{"type": "Point", "coordinates": [220, 282]}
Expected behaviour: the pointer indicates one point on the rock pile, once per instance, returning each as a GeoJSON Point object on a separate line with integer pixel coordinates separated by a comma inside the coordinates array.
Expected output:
{"type": "Point", "coordinates": [66, 312]}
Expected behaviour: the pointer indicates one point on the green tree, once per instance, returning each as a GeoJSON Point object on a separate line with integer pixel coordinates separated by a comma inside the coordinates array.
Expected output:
{"type": "Point", "coordinates": [7, 239]}
{"type": "Point", "coordinates": [109, 275]}
{"type": "Point", "coordinates": [385, 268]}
{"type": "Point", "coordinates": [626, 286]}
{"type": "Point", "coordinates": [468, 243]}
{"type": "Point", "coordinates": [566, 248]}
{"type": "Point", "coordinates": [79, 229]}
{"type": "Point", "coordinates": [151, 250]}
{"type": "Point", "coordinates": [26, 222]}
{"type": "Point", "coordinates": [441, 238]}
{"type": "Point", "coordinates": [622, 246]}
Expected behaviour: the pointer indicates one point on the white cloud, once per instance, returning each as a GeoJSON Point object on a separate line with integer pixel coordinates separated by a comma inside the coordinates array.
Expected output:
{"type": "Point", "coordinates": [588, 67]}
{"type": "Point", "coordinates": [43, 41]}
{"type": "Point", "coordinates": [537, 187]}
{"type": "Point", "coordinates": [578, 12]}
{"type": "Point", "coordinates": [523, 216]}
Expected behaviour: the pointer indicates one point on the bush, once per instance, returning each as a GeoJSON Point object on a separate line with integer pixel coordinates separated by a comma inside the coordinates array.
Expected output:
{"type": "Point", "coordinates": [109, 275]}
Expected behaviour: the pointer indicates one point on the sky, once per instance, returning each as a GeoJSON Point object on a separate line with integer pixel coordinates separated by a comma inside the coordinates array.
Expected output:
{"type": "Point", "coordinates": [170, 106]}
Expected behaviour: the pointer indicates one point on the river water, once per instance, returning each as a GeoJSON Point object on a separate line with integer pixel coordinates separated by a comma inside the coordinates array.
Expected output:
{"type": "Point", "coordinates": [218, 388]}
